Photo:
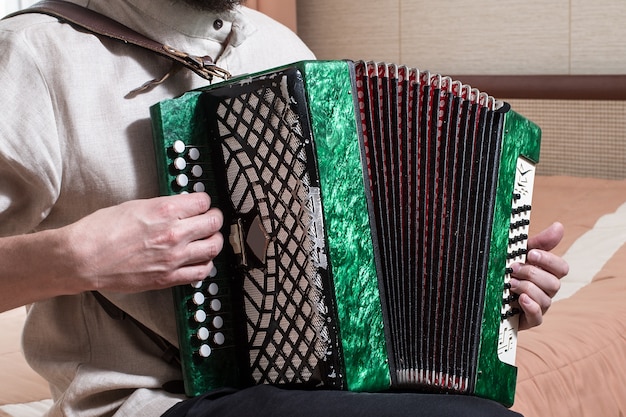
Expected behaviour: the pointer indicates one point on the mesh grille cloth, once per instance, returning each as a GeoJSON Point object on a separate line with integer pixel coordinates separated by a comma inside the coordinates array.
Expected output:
{"type": "Point", "coordinates": [581, 138]}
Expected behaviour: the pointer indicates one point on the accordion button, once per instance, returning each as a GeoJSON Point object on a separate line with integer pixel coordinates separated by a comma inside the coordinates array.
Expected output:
{"type": "Point", "coordinates": [194, 154]}
{"type": "Point", "coordinates": [213, 272]}
{"type": "Point", "coordinates": [219, 338]}
{"type": "Point", "coordinates": [213, 288]}
{"type": "Point", "coordinates": [216, 305]}
{"type": "Point", "coordinates": [196, 171]}
{"type": "Point", "coordinates": [204, 351]}
{"type": "Point", "coordinates": [197, 285]}
{"type": "Point", "coordinates": [199, 187]}
{"type": "Point", "coordinates": [203, 333]}
{"type": "Point", "coordinates": [179, 146]}
{"type": "Point", "coordinates": [198, 298]}
{"type": "Point", "coordinates": [218, 322]}
{"type": "Point", "coordinates": [182, 180]}
{"type": "Point", "coordinates": [199, 316]}
{"type": "Point", "coordinates": [180, 163]}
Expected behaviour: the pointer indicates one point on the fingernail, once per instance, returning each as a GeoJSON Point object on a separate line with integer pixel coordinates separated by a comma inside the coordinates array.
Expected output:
{"type": "Point", "coordinates": [524, 299]}
{"type": "Point", "coordinates": [533, 256]}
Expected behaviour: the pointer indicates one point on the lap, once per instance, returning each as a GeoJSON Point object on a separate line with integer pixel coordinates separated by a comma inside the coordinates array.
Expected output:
{"type": "Point", "coordinates": [266, 401]}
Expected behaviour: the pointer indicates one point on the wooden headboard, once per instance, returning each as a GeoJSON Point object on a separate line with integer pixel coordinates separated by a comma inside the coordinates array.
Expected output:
{"type": "Point", "coordinates": [550, 87]}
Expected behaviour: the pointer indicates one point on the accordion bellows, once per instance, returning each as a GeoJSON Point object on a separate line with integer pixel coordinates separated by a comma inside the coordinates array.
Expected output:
{"type": "Point", "coordinates": [371, 214]}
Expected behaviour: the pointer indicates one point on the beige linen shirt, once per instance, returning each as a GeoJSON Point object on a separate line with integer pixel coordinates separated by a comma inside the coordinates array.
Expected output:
{"type": "Point", "coordinates": [71, 143]}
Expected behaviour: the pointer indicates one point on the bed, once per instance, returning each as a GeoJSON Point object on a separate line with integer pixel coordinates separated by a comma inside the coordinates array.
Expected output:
{"type": "Point", "coordinates": [573, 365]}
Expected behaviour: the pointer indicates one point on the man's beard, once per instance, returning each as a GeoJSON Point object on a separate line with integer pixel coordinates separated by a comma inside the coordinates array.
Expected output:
{"type": "Point", "coordinates": [215, 6]}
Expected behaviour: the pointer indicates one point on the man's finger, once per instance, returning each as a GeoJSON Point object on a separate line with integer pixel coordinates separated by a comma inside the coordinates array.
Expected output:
{"type": "Point", "coordinates": [548, 238]}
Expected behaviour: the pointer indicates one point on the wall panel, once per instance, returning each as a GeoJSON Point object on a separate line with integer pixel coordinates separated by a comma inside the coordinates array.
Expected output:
{"type": "Point", "coordinates": [486, 36]}
{"type": "Point", "coordinates": [598, 37]}
{"type": "Point", "coordinates": [472, 37]}
{"type": "Point", "coordinates": [356, 29]}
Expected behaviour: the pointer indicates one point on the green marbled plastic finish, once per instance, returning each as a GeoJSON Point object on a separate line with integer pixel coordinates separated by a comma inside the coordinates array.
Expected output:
{"type": "Point", "coordinates": [496, 379]}
{"type": "Point", "coordinates": [181, 119]}
{"type": "Point", "coordinates": [170, 121]}
{"type": "Point", "coordinates": [347, 225]}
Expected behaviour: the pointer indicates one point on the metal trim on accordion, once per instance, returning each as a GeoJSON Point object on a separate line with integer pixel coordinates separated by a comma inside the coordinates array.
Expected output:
{"type": "Point", "coordinates": [372, 213]}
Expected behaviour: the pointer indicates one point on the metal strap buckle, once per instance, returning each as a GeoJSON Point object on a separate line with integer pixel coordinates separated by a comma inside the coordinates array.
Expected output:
{"type": "Point", "coordinates": [203, 66]}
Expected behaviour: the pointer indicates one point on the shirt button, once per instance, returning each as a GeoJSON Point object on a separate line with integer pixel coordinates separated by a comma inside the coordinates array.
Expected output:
{"type": "Point", "coordinates": [217, 25]}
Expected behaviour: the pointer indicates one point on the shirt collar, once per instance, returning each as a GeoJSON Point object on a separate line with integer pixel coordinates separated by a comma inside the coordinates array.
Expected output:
{"type": "Point", "coordinates": [175, 24]}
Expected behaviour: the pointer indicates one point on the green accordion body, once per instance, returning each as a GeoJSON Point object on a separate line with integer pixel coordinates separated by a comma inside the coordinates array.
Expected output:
{"type": "Point", "coordinates": [371, 212]}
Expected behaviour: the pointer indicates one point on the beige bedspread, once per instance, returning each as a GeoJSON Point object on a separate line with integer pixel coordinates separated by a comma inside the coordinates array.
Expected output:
{"type": "Point", "coordinates": [575, 363]}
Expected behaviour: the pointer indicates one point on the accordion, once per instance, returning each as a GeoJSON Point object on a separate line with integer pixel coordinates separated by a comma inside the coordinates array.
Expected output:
{"type": "Point", "coordinates": [372, 212]}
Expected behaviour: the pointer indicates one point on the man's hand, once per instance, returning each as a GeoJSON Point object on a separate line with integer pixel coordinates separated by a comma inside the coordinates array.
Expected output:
{"type": "Point", "coordinates": [145, 244]}
{"type": "Point", "coordinates": [538, 280]}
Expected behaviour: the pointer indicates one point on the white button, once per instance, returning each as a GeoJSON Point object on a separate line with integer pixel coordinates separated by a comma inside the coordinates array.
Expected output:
{"type": "Point", "coordinates": [218, 322]}
{"type": "Point", "coordinates": [196, 171]}
{"type": "Point", "coordinates": [198, 298]}
{"type": "Point", "coordinates": [194, 154]}
{"type": "Point", "coordinates": [204, 351]}
{"type": "Point", "coordinates": [213, 288]}
{"type": "Point", "coordinates": [213, 272]}
{"type": "Point", "coordinates": [203, 333]}
{"type": "Point", "coordinates": [182, 180]}
{"type": "Point", "coordinates": [219, 338]}
{"type": "Point", "coordinates": [199, 316]}
{"type": "Point", "coordinates": [216, 305]}
{"type": "Point", "coordinates": [180, 163]}
{"type": "Point", "coordinates": [197, 285]}
{"type": "Point", "coordinates": [199, 187]}
{"type": "Point", "coordinates": [179, 146]}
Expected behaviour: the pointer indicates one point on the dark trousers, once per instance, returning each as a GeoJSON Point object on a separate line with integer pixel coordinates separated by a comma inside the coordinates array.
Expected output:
{"type": "Point", "coordinates": [268, 401]}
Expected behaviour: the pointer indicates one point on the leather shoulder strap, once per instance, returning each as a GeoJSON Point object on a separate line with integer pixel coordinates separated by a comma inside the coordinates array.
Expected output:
{"type": "Point", "coordinates": [102, 25]}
